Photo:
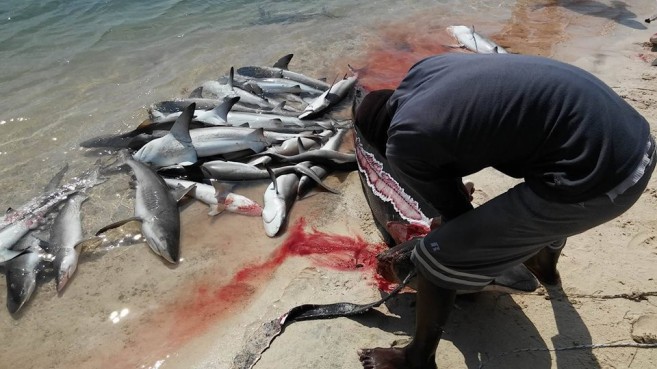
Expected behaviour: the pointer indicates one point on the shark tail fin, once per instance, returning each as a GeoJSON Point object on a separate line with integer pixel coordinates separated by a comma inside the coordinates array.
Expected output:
{"type": "Point", "coordinates": [273, 177]}
{"type": "Point", "coordinates": [221, 191]}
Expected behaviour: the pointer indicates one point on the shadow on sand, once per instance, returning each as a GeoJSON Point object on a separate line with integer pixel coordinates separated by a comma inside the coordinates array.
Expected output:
{"type": "Point", "coordinates": [617, 11]}
{"type": "Point", "coordinates": [492, 332]}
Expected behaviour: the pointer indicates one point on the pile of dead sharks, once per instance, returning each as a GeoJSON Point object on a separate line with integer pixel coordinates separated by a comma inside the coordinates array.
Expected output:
{"type": "Point", "coordinates": [256, 123]}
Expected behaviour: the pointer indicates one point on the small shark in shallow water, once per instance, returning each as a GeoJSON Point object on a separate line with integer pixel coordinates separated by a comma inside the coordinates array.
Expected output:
{"type": "Point", "coordinates": [65, 235]}
{"type": "Point", "coordinates": [157, 210]}
{"type": "Point", "coordinates": [21, 272]}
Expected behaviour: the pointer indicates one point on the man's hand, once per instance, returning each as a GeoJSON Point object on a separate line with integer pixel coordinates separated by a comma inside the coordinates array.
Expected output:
{"type": "Point", "coordinates": [468, 189]}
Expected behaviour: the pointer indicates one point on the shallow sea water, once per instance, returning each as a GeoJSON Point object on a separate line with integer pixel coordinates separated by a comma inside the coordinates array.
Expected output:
{"type": "Point", "coordinates": [74, 70]}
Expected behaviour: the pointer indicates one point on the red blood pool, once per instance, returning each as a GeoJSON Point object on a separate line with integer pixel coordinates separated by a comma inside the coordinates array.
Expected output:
{"type": "Point", "coordinates": [401, 46]}
{"type": "Point", "coordinates": [195, 314]}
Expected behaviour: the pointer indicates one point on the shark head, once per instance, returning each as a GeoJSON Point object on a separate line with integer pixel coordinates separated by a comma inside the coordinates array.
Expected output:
{"type": "Point", "coordinates": [21, 280]}
{"type": "Point", "coordinates": [66, 262]}
{"type": "Point", "coordinates": [274, 211]}
{"type": "Point", "coordinates": [166, 151]}
{"type": "Point", "coordinates": [162, 242]}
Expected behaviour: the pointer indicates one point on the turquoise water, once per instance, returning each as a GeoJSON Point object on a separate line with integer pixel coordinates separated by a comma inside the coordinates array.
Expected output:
{"type": "Point", "coordinates": [71, 70]}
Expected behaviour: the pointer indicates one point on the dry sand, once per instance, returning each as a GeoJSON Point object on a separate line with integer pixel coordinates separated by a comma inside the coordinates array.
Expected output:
{"type": "Point", "coordinates": [609, 273]}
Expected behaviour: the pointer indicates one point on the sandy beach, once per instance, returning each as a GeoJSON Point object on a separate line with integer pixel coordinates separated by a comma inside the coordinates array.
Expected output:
{"type": "Point", "coordinates": [609, 275]}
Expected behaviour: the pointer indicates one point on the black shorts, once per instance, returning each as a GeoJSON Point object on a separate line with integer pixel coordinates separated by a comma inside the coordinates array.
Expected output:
{"type": "Point", "coordinates": [473, 248]}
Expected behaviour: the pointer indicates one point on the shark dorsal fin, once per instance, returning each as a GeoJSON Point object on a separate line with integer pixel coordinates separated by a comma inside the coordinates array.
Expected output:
{"type": "Point", "coordinates": [231, 78]}
{"type": "Point", "coordinates": [279, 108]}
{"type": "Point", "coordinates": [254, 88]}
{"type": "Point", "coordinates": [180, 191]}
{"type": "Point", "coordinates": [301, 146]}
{"type": "Point", "coordinates": [55, 181]}
{"type": "Point", "coordinates": [197, 93]}
{"type": "Point", "coordinates": [283, 62]}
{"type": "Point", "coordinates": [146, 123]}
{"type": "Point", "coordinates": [221, 111]}
{"type": "Point", "coordinates": [180, 129]}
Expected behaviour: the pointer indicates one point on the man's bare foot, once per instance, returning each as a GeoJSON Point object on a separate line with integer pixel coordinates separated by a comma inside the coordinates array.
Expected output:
{"type": "Point", "coordinates": [544, 266]}
{"type": "Point", "coordinates": [387, 358]}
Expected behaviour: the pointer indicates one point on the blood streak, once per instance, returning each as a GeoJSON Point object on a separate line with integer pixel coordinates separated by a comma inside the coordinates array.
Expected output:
{"type": "Point", "coordinates": [402, 232]}
{"type": "Point", "coordinates": [401, 45]}
{"type": "Point", "coordinates": [190, 316]}
{"type": "Point", "coordinates": [242, 205]}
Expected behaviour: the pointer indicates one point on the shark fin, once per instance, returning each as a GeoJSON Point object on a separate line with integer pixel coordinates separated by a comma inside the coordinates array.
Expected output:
{"type": "Point", "coordinates": [253, 88]}
{"type": "Point", "coordinates": [8, 254]}
{"type": "Point", "coordinates": [296, 89]}
{"type": "Point", "coordinates": [180, 129]}
{"type": "Point", "coordinates": [256, 139]}
{"type": "Point", "coordinates": [279, 108]}
{"type": "Point", "coordinates": [260, 160]}
{"type": "Point", "coordinates": [197, 93]}
{"type": "Point", "coordinates": [312, 175]}
{"type": "Point", "coordinates": [273, 178]}
{"type": "Point", "coordinates": [170, 167]}
{"type": "Point", "coordinates": [301, 146]}
{"type": "Point", "coordinates": [87, 245]}
{"type": "Point", "coordinates": [221, 111]}
{"type": "Point", "coordinates": [180, 191]}
{"type": "Point", "coordinates": [116, 225]}
{"type": "Point", "coordinates": [276, 122]}
{"type": "Point", "coordinates": [231, 79]}
{"type": "Point", "coordinates": [56, 180]}
{"type": "Point", "coordinates": [283, 62]}
{"type": "Point", "coordinates": [146, 123]}
{"type": "Point", "coordinates": [216, 209]}
{"type": "Point", "coordinates": [221, 190]}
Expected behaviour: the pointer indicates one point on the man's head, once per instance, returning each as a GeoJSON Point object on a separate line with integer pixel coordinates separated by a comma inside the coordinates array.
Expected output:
{"type": "Point", "coordinates": [372, 118]}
